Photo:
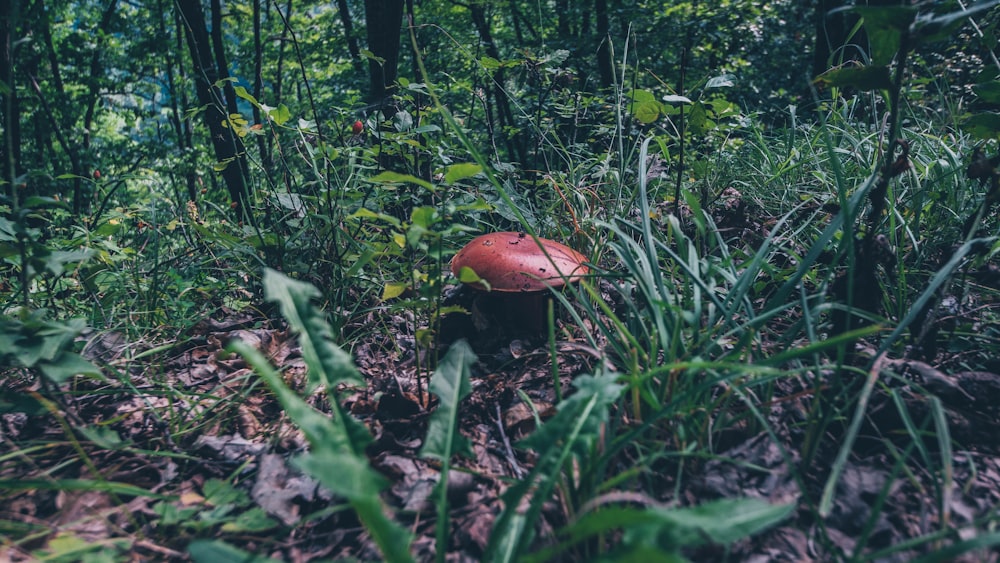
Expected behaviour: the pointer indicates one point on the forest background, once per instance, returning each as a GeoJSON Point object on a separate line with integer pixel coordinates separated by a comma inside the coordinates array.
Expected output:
{"type": "Point", "coordinates": [787, 209]}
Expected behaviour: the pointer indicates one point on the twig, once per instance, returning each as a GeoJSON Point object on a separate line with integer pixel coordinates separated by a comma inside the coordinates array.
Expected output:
{"type": "Point", "coordinates": [518, 472]}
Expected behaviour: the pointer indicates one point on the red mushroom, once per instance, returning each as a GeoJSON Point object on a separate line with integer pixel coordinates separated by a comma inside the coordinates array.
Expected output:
{"type": "Point", "coordinates": [520, 270]}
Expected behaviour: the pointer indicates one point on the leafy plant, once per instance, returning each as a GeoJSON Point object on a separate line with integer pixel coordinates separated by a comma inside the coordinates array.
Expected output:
{"type": "Point", "coordinates": [337, 458]}
{"type": "Point", "coordinates": [36, 343]}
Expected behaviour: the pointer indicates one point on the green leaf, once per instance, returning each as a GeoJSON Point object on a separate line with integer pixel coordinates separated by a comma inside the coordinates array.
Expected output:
{"type": "Point", "coordinates": [219, 492]}
{"type": "Point", "coordinates": [392, 290]}
{"type": "Point", "coordinates": [573, 430]}
{"type": "Point", "coordinates": [468, 275]}
{"type": "Point", "coordinates": [253, 520]}
{"type": "Point", "coordinates": [280, 115]}
{"type": "Point", "coordinates": [985, 125]}
{"type": "Point", "coordinates": [667, 531]}
{"type": "Point", "coordinates": [57, 259]}
{"type": "Point", "coordinates": [425, 216]}
{"type": "Point", "coordinates": [580, 416]}
{"type": "Point", "coordinates": [19, 402]}
{"type": "Point", "coordinates": [218, 551]}
{"type": "Point", "coordinates": [389, 177]}
{"type": "Point", "coordinates": [450, 383]}
{"type": "Point", "coordinates": [242, 92]}
{"type": "Point", "coordinates": [337, 460]}
{"type": "Point", "coordinates": [66, 546]}
{"type": "Point", "coordinates": [698, 121]}
{"type": "Point", "coordinates": [369, 55]}
{"type": "Point", "coordinates": [67, 365]}
{"type": "Point", "coordinates": [349, 476]}
{"type": "Point", "coordinates": [885, 26]}
{"type": "Point", "coordinates": [489, 63]}
{"type": "Point", "coordinates": [365, 213]}
{"type": "Point", "coordinates": [328, 363]}
{"type": "Point", "coordinates": [988, 91]}
{"type": "Point", "coordinates": [865, 78]}
{"type": "Point", "coordinates": [347, 436]}
{"type": "Point", "coordinates": [461, 171]}
{"type": "Point", "coordinates": [644, 106]}
{"type": "Point", "coordinates": [723, 521]}
{"type": "Point", "coordinates": [721, 81]}
{"type": "Point", "coordinates": [931, 27]}
{"type": "Point", "coordinates": [104, 437]}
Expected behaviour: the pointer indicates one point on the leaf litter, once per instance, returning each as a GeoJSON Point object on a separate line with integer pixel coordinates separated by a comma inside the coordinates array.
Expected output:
{"type": "Point", "coordinates": [164, 435]}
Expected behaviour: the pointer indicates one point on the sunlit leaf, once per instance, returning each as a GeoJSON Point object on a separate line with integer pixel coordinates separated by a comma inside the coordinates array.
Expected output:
{"type": "Point", "coordinates": [675, 99]}
{"type": "Point", "coordinates": [461, 171]}
{"type": "Point", "coordinates": [468, 275]}
{"type": "Point", "coordinates": [389, 177]}
{"type": "Point", "coordinates": [391, 290]}
{"type": "Point", "coordinates": [242, 92]}
{"type": "Point", "coordinates": [721, 81]}
{"type": "Point", "coordinates": [280, 115]}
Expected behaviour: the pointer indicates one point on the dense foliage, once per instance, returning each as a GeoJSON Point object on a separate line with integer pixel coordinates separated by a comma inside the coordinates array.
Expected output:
{"type": "Point", "coordinates": [782, 203]}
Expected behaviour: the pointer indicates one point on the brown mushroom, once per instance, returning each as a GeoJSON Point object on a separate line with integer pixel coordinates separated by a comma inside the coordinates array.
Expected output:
{"type": "Point", "coordinates": [520, 270]}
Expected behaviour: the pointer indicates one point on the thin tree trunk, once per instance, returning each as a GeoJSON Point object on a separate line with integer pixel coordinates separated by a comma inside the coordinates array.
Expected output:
{"type": "Point", "coordinates": [258, 90]}
{"type": "Point", "coordinates": [182, 131]}
{"type": "Point", "coordinates": [93, 95]}
{"type": "Point", "coordinates": [50, 50]}
{"type": "Point", "coordinates": [9, 103]}
{"type": "Point", "coordinates": [352, 41]}
{"type": "Point", "coordinates": [383, 19]}
{"type": "Point", "coordinates": [515, 148]}
{"type": "Point", "coordinates": [227, 145]}
{"type": "Point", "coordinates": [278, 92]}
{"type": "Point", "coordinates": [562, 19]}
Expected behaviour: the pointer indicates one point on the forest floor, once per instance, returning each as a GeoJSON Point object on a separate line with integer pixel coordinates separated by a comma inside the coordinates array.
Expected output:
{"type": "Point", "coordinates": [189, 443]}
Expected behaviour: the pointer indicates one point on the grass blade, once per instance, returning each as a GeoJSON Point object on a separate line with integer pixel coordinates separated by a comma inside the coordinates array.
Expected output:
{"type": "Point", "coordinates": [450, 383]}
{"type": "Point", "coordinates": [571, 431]}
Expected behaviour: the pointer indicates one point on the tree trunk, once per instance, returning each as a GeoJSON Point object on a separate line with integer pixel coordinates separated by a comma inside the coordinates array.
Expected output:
{"type": "Point", "coordinates": [263, 141]}
{"type": "Point", "coordinates": [562, 19]}
{"type": "Point", "coordinates": [90, 105]}
{"type": "Point", "coordinates": [515, 148]}
{"type": "Point", "coordinates": [228, 147]}
{"type": "Point", "coordinates": [383, 19]}
{"type": "Point", "coordinates": [9, 103]}
{"type": "Point", "coordinates": [178, 100]}
{"type": "Point", "coordinates": [352, 41]}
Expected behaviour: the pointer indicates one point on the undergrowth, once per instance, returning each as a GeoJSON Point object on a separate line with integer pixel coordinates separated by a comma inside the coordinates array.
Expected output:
{"type": "Point", "coordinates": [748, 281]}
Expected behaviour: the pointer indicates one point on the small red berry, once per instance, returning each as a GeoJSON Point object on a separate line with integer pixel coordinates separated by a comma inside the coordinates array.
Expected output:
{"type": "Point", "coordinates": [358, 127]}
{"type": "Point", "coordinates": [97, 174]}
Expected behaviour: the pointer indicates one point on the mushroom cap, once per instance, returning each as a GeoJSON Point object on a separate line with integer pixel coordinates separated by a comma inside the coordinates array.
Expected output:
{"type": "Point", "coordinates": [514, 262]}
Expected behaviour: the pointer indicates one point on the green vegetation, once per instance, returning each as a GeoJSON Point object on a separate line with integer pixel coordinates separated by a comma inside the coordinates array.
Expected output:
{"type": "Point", "coordinates": [229, 328]}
